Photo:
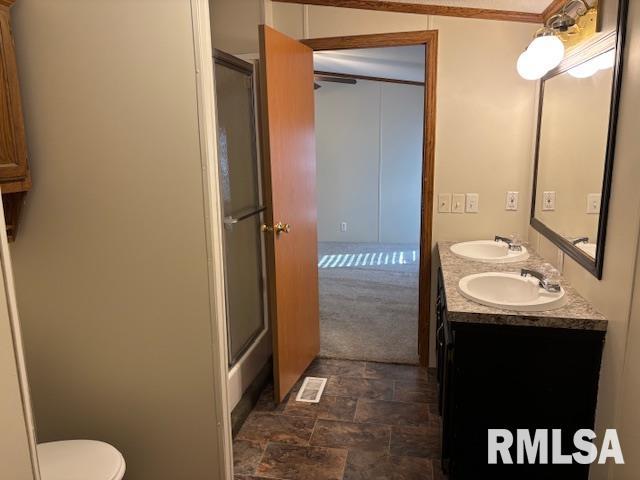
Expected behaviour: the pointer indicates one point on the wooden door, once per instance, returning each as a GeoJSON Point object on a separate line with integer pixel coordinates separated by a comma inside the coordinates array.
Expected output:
{"type": "Point", "coordinates": [290, 190]}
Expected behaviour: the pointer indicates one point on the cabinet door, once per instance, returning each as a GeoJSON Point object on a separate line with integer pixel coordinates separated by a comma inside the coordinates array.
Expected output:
{"type": "Point", "coordinates": [13, 149]}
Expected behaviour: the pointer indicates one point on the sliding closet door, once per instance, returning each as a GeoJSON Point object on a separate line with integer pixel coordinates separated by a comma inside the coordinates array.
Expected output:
{"type": "Point", "coordinates": [242, 202]}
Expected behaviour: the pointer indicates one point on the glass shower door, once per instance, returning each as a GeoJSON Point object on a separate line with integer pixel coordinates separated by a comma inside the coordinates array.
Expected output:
{"type": "Point", "coordinates": [242, 203]}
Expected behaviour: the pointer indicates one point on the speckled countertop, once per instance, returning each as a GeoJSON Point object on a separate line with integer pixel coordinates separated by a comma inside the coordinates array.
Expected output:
{"type": "Point", "coordinates": [578, 313]}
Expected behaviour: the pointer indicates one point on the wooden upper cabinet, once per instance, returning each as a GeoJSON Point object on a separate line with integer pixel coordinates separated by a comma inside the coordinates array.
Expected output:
{"type": "Point", "coordinates": [13, 147]}
{"type": "Point", "coordinates": [15, 178]}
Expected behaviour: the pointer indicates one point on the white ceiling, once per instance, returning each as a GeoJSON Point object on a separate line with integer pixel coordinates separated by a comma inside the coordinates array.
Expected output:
{"type": "Point", "coordinates": [529, 6]}
{"type": "Point", "coordinates": [399, 63]}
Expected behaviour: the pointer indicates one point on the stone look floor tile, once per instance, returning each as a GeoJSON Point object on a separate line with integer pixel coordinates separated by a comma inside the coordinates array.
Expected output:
{"type": "Point", "coordinates": [302, 463]}
{"type": "Point", "coordinates": [374, 422]}
{"type": "Point", "coordinates": [416, 442]}
{"type": "Point", "coordinates": [329, 408]}
{"type": "Point", "coordinates": [359, 436]}
{"type": "Point", "coordinates": [266, 402]}
{"type": "Point", "coordinates": [392, 413]}
{"type": "Point", "coordinates": [395, 372]}
{"type": "Point", "coordinates": [360, 388]}
{"type": "Point", "coordinates": [331, 367]}
{"type": "Point", "coordinates": [375, 466]}
{"type": "Point", "coordinates": [415, 391]}
{"type": "Point", "coordinates": [265, 427]}
{"type": "Point", "coordinates": [246, 456]}
{"type": "Point", "coordinates": [438, 474]}
{"type": "Point", "coordinates": [249, 477]}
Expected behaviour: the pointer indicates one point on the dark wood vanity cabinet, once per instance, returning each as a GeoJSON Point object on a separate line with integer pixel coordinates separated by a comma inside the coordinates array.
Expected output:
{"type": "Point", "coordinates": [513, 377]}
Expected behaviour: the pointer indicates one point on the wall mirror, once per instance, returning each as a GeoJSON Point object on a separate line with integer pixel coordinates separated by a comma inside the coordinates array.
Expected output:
{"type": "Point", "coordinates": [575, 143]}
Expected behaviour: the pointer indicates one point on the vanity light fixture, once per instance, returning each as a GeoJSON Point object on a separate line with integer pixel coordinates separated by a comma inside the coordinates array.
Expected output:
{"type": "Point", "coordinates": [544, 53]}
{"type": "Point", "coordinates": [546, 50]}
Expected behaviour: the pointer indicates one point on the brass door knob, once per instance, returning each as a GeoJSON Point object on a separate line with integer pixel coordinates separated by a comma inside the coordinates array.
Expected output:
{"type": "Point", "coordinates": [277, 228]}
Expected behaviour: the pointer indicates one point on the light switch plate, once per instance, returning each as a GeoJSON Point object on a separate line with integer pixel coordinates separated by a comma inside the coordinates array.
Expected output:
{"type": "Point", "coordinates": [458, 203]}
{"type": "Point", "coordinates": [593, 202]}
{"type": "Point", "coordinates": [472, 203]}
{"type": "Point", "coordinates": [512, 201]}
{"type": "Point", "coordinates": [444, 203]}
{"type": "Point", "coordinates": [548, 201]}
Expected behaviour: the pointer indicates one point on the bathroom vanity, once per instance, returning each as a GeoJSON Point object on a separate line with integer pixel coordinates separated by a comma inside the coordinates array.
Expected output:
{"type": "Point", "coordinates": [512, 370]}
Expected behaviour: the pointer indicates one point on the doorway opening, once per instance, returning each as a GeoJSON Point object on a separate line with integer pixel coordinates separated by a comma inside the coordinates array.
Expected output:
{"type": "Point", "coordinates": [370, 310]}
{"type": "Point", "coordinates": [369, 108]}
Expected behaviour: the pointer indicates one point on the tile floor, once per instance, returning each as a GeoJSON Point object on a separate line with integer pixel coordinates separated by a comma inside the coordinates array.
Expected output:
{"type": "Point", "coordinates": [375, 421]}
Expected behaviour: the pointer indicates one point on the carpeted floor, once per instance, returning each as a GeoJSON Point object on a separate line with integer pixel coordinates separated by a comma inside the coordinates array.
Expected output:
{"type": "Point", "coordinates": [369, 301]}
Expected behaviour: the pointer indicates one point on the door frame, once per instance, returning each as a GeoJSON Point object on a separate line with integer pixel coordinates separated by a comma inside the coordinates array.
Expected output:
{"type": "Point", "coordinates": [428, 38]}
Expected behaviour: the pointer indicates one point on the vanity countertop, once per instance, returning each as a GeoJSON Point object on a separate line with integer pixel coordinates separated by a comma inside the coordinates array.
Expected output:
{"type": "Point", "coordinates": [578, 313]}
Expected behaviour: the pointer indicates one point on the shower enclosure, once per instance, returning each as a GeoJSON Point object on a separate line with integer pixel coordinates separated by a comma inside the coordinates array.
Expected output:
{"type": "Point", "coordinates": [241, 202]}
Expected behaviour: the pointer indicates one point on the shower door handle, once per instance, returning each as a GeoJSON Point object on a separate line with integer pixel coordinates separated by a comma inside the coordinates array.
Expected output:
{"type": "Point", "coordinates": [229, 221]}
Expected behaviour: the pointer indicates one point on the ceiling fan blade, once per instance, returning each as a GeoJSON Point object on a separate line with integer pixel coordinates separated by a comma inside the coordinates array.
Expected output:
{"type": "Point", "coordinates": [328, 78]}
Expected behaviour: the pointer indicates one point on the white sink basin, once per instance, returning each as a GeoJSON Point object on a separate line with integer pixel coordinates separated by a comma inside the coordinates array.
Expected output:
{"type": "Point", "coordinates": [510, 291]}
{"type": "Point", "coordinates": [488, 251]}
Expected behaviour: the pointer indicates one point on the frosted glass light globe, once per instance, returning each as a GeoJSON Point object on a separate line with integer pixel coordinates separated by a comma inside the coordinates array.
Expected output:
{"type": "Point", "coordinates": [585, 69]}
{"type": "Point", "coordinates": [607, 60]}
{"type": "Point", "coordinates": [547, 51]}
{"type": "Point", "coordinates": [528, 68]}
{"type": "Point", "coordinates": [591, 67]}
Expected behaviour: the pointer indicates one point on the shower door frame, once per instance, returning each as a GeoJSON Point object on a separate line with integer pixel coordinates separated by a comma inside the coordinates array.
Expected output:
{"type": "Point", "coordinates": [428, 38]}
{"type": "Point", "coordinates": [230, 61]}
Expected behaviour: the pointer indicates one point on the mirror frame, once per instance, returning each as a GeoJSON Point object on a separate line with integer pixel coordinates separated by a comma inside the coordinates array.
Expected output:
{"type": "Point", "coordinates": [615, 39]}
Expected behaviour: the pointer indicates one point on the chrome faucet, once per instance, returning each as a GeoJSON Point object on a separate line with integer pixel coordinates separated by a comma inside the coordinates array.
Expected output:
{"type": "Point", "coordinates": [544, 282]}
{"type": "Point", "coordinates": [514, 246]}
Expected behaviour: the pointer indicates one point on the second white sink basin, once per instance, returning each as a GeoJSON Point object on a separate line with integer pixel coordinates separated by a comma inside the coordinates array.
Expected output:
{"type": "Point", "coordinates": [510, 291]}
{"type": "Point", "coordinates": [489, 251]}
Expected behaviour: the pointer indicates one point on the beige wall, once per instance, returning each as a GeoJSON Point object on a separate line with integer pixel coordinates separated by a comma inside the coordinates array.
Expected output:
{"type": "Point", "coordinates": [483, 125]}
{"type": "Point", "coordinates": [15, 449]}
{"type": "Point", "coordinates": [628, 418]}
{"type": "Point", "coordinates": [617, 295]}
{"type": "Point", "coordinates": [239, 36]}
{"type": "Point", "coordinates": [111, 260]}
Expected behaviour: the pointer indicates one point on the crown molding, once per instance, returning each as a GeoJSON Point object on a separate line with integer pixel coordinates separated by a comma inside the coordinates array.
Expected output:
{"type": "Point", "coordinates": [438, 10]}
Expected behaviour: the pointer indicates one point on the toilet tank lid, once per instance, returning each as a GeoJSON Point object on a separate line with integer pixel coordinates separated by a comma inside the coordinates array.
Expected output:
{"type": "Point", "coordinates": [80, 460]}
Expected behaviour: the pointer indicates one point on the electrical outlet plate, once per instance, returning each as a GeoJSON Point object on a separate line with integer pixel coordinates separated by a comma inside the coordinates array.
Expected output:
{"type": "Point", "coordinates": [512, 201]}
{"type": "Point", "coordinates": [593, 202]}
{"type": "Point", "coordinates": [444, 203]}
{"type": "Point", "coordinates": [548, 201]}
{"type": "Point", "coordinates": [343, 227]}
{"type": "Point", "coordinates": [472, 203]}
{"type": "Point", "coordinates": [458, 203]}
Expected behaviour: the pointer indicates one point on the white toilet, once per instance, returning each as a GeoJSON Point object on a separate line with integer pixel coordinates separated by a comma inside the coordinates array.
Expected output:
{"type": "Point", "coordinates": [80, 460]}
